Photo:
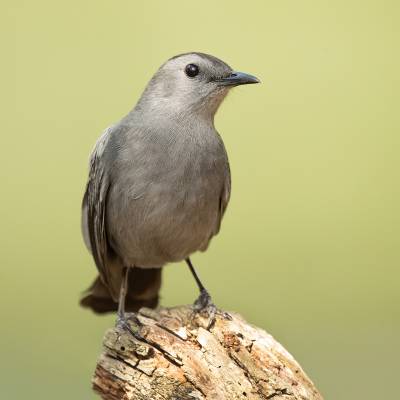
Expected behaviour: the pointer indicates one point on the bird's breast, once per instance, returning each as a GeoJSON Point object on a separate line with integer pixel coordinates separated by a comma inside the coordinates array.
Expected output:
{"type": "Point", "coordinates": [167, 206]}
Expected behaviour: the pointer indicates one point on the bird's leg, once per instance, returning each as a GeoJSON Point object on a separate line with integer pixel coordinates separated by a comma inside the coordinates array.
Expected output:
{"type": "Point", "coordinates": [122, 293]}
{"type": "Point", "coordinates": [123, 318]}
{"type": "Point", "coordinates": [204, 301]}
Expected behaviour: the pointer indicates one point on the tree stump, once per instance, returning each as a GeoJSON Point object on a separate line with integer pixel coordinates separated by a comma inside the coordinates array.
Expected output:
{"type": "Point", "coordinates": [179, 357]}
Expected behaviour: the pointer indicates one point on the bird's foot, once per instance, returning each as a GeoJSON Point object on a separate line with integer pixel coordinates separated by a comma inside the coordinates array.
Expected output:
{"type": "Point", "coordinates": [205, 306]}
{"type": "Point", "coordinates": [130, 322]}
{"type": "Point", "coordinates": [203, 301]}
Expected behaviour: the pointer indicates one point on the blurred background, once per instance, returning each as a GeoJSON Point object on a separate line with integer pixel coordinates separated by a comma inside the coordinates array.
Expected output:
{"type": "Point", "coordinates": [310, 245]}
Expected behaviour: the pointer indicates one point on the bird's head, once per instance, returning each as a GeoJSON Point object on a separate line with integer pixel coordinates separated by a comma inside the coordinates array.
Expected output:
{"type": "Point", "coordinates": [191, 83]}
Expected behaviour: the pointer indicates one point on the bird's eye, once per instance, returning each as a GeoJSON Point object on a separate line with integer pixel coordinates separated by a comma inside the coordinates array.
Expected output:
{"type": "Point", "coordinates": [191, 70]}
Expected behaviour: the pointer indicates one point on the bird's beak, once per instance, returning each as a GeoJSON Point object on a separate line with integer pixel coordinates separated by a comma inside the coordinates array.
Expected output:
{"type": "Point", "coordinates": [237, 78]}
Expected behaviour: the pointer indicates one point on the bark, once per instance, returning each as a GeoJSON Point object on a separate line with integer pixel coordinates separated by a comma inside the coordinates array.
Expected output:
{"type": "Point", "coordinates": [177, 357]}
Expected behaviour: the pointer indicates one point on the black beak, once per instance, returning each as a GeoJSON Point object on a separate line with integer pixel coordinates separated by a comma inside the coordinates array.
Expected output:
{"type": "Point", "coordinates": [237, 78]}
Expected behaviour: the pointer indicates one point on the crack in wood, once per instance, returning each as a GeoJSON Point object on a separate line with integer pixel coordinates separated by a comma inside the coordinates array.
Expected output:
{"type": "Point", "coordinates": [278, 392]}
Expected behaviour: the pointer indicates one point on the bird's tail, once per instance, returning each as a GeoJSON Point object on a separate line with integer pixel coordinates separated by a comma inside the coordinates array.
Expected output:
{"type": "Point", "coordinates": [143, 291]}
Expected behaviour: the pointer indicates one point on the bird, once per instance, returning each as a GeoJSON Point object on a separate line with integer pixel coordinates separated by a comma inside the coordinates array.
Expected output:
{"type": "Point", "coordinates": [159, 184]}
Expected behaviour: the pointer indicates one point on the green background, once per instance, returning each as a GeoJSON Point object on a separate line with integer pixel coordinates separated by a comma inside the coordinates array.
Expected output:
{"type": "Point", "coordinates": [309, 248]}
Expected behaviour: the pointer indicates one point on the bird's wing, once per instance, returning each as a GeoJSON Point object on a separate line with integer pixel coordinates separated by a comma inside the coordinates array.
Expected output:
{"type": "Point", "coordinates": [224, 198]}
{"type": "Point", "coordinates": [94, 210]}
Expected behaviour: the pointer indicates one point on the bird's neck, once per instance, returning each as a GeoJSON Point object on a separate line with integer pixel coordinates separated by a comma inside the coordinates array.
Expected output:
{"type": "Point", "coordinates": [164, 112]}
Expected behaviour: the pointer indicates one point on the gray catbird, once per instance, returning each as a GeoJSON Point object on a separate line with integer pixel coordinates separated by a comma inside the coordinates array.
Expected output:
{"type": "Point", "coordinates": [159, 184]}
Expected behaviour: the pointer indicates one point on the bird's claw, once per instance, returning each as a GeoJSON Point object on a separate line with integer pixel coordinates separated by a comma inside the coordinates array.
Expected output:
{"type": "Point", "coordinates": [130, 322]}
{"type": "Point", "coordinates": [203, 301]}
{"type": "Point", "coordinates": [205, 306]}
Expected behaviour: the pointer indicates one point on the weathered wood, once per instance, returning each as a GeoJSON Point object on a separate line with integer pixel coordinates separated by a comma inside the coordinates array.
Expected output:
{"type": "Point", "coordinates": [178, 358]}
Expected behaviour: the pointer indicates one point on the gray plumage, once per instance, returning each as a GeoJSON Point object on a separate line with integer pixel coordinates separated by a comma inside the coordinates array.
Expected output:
{"type": "Point", "coordinates": [159, 179]}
